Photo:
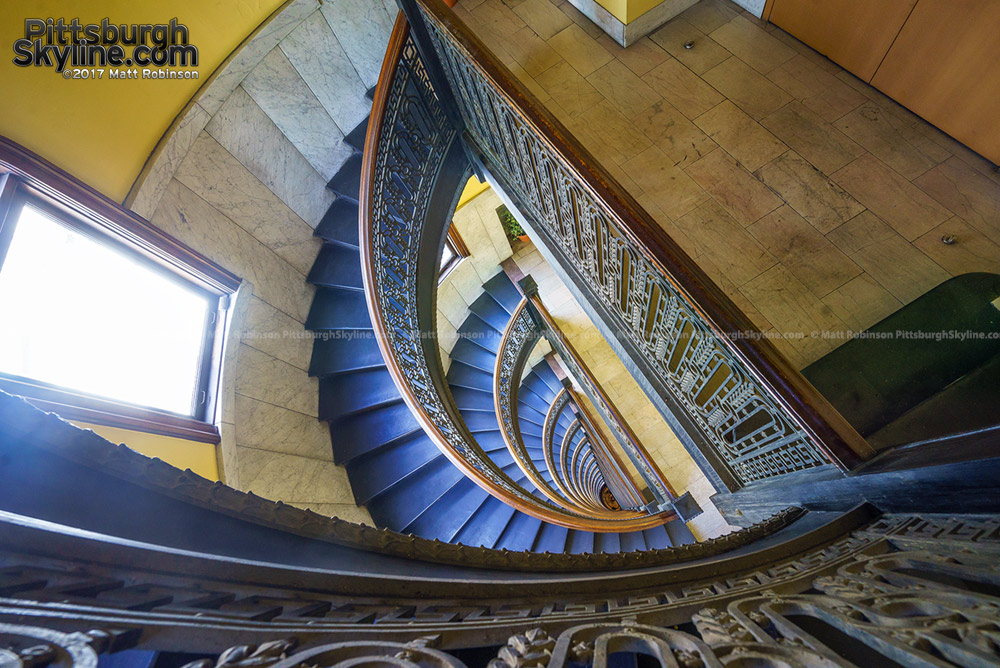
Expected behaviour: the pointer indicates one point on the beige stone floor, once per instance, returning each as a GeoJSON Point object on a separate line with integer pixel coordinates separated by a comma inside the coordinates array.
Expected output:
{"type": "Point", "coordinates": [655, 435]}
{"type": "Point", "coordinates": [814, 201]}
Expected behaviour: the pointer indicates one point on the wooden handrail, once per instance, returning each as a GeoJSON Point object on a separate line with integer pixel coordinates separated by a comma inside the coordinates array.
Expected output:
{"type": "Point", "coordinates": [602, 396]}
{"type": "Point", "coordinates": [460, 443]}
{"type": "Point", "coordinates": [604, 449]}
{"type": "Point", "coordinates": [548, 436]}
{"type": "Point", "coordinates": [806, 407]}
{"type": "Point", "coordinates": [511, 435]}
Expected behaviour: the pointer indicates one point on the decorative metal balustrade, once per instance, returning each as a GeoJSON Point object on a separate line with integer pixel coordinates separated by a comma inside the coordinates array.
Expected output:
{"type": "Point", "coordinates": [255, 584]}
{"type": "Point", "coordinates": [559, 474]}
{"type": "Point", "coordinates": [619, 426]}
{"type": "Point", "coordinates": [750, 414]}
{"type": "Point", "coordinates": [413, 167]}
{"type": "Point", "coordinates": [519, 338]}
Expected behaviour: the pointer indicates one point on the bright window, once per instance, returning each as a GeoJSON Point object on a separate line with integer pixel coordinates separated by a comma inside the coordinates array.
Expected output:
{"type": "Point", "coordinates": [104, 318]}
{"type": "Point", "coordinates": [88, 316]}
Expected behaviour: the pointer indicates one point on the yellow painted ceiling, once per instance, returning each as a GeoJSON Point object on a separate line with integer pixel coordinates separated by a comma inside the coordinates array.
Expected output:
{"type": "Point", "coordinates": [103, 131]}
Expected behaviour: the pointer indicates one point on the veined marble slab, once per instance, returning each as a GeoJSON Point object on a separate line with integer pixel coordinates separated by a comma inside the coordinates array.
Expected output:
{"type": "Point", "coordinates": [243, 128]}
{"type": "Point", "coordinates": [284, 96]}
{"type": "Point", "coordinates": [363, 28]}
{"type": "Point", "coordinates": [265, 378]}
{"type": "Point", "coordinates": [165, 163]}
{"type": "Point", "coordinates": [292, 479]}
{"type": "Point", "coordinates": [219, 178]}
{"type": "Point", "coordinates": [252, 51]}
{"type": "Point", "coordinates": [317, 55]}
{"type": "Point", "coordinates": [189, 218]}
{"type": "Point", "coordinates": [268, 427]}
{"type": "Point", "coordinates": [270, 331]}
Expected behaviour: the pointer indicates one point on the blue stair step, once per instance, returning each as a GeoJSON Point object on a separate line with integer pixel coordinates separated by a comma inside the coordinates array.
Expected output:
{"type": "Point", "coordinates": [551, 538]}
{"type": "Point", "coordinates": [502, 290]}
{"type": "Point", "coordinates": [538, 386]}
{"type": "Point", "coordinates": [530, 413]}
{"type": "Point", "coordinates": [463, 375]}
{"type": "Point", "coordinates": [485, 525]}
{"type": "Point", "coordinates": [340, 222]}
{"type": "Point", "coordinates": [580, 542]}
{"type": "Point", "coordinates": [491, 312]}
{"type": "Point", "coordinates": [520, 533]}
{"type": "Point", "coordinates": [446, 516]}
{"type": "Point", "coordinates": [606, 542]}
{"type": "Point", "coordinates": [357, 434]}
{"type": "Point", "coordinates": [476, 400]}
{"type": "Point", "coordinates": [356, 137]}
{"type": "Point", "coordinates": [477, 331]}
{"type": "Point", "coordinates": [337, 266]}
{"type": "Point", "coordinates": [375, 472]}
{"type": "Point", "coordinates": [357, 391]}
{"type": "Point", "coordinates": [344, 350]}
{"type": "Point", "coordinates": [481, 421]}
{"type": "Point", "coordinates": [657, 538]}
{"type": "Point", "coordinates": [467, 352]}
{"type": "Point", "coordinates": [679, 533]}
{"type": "Point", "coordinates": [347, 181]}
{"type": "Point", "coordinates": [631, 541]}
{"type": "Point", "coordinates": [406, 499]}
{"type": "Point", "coordinates": [335, 308]}
{"type": "Point", "coordinates": [548, 376]}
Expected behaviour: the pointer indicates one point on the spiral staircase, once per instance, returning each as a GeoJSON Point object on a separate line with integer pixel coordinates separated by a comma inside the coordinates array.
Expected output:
{"type": "Point", "coordinates": [395, 469]}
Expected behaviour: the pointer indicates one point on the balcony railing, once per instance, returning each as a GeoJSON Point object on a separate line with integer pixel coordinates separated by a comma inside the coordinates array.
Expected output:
{"type": "Point", "coordinates": [412, 170]}
{"type": "Point", "coordinates": [750, 414]}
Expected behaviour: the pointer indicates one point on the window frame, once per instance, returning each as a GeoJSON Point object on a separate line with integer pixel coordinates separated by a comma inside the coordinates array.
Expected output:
{"type": "Point", "coordinates": [453, 241]}
{"type": "Point", "coordinates": [26, 178]}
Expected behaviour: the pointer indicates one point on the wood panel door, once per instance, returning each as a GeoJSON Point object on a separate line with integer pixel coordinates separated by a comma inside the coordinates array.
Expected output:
{"type": "Point", "coordinates": [855, 34]}
{"type": "Point", "coordinates": [945, 66]}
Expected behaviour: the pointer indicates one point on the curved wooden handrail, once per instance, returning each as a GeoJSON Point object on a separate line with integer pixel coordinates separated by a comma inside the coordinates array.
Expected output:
{"type": "Point", "coordinates": [564, 457]}
{"type": "Point", "coordinates": [556, 408]}
{"type": "Point", "coordinates": [574, 468]}
{"type": "Point", "coordinates": [67, 444]}
{"type": "Point", "coordinates": [490, 477]}
{"type": "Point", "coordinates": [597, 439]}
{"type": "Point", "coordinates": [805, 407]}
{"type": "Point", "coordinates": [619, 421]}
{"type": "Point", "coordinates": [511, 353]}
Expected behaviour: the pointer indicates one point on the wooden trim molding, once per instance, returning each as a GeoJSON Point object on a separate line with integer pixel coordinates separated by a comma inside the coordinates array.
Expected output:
{"type": "Point", "coordinates": [810, 410]}
{"type": "Point", "coordinates": [71, 405]}
{"type": "Point", "coordinates": [51, 182]}
{"type": "Point", "coordinates": [80, 206]}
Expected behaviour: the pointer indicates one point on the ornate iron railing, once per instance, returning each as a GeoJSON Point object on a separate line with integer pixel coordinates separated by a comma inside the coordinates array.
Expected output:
{"type": "Point", "coordinates": [519, 338]}
{"type": "Point", "coordinates": [412, 159]}
{"type": "Point", "coordinates": [559, 404]}
{"type": "Point", "coordinates": [619, 426]}
{"type": "Point", "coordinates": [751, 414]}
{"type": "Point", "coordinates": [905, 590]}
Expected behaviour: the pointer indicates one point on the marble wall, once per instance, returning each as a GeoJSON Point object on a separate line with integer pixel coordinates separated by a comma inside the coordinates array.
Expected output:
{"type": "Point", "coordinates": [480, 229]}
{"type": "Point", "coordinates": [240, 177]}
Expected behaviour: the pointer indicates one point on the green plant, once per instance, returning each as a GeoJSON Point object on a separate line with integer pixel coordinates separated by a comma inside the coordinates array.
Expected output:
{"type": "Point", "coordinates": [509, 223]}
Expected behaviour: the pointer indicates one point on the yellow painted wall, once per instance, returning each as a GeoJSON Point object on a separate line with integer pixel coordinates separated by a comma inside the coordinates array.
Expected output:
{"type": "Point", "coordinates": [103, 131]}
{"type": "Point", "coordinates": [472, 189]}
{"type": "Point", "coordinates": [199, 457]}
{"type": "Point", "coordinates": [627, 11]}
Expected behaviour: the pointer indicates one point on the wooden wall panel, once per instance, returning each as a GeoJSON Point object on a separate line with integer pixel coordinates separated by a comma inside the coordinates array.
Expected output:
{"type": "Point", "coordinates": [945, 66]}
{"type": "Point", "coordinates": [856, 34]}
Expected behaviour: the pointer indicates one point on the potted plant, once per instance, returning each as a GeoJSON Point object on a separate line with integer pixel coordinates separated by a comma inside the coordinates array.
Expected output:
{"type": "Point", "coordinates": [510, 224]}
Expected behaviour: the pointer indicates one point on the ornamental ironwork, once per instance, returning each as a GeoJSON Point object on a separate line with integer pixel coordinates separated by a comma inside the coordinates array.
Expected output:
{"type": "Point", "coordinates": [735, 415]}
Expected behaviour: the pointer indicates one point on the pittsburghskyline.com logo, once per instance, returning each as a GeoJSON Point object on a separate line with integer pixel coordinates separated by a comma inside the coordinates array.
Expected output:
{"type": "Point", "coordinates": [84, 50]}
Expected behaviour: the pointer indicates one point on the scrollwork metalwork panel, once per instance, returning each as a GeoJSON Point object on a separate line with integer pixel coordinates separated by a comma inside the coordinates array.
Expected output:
{"type": "Point", "coordinates": [749, 431]}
